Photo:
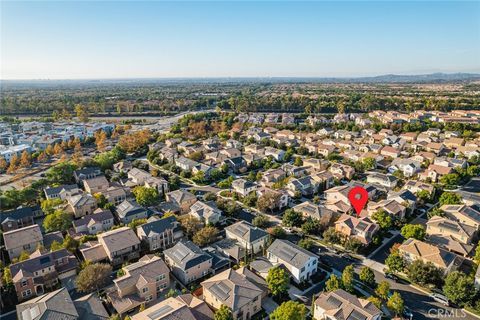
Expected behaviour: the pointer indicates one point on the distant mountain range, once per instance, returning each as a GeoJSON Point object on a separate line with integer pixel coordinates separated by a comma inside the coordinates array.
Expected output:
{"type": "Point", "coordinates": [388, 78]}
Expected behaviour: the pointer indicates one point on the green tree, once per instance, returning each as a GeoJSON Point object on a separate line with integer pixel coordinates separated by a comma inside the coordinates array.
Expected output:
{"type": "Point", "coordinates": [383, 219]}
{"type": "Point", "coordinates": [367, 276]}
{"type": "Point", "coordinates": [61, 173]}
{"type": "Point", "coordinates": [289, 310]}
{"type": "Point", "coordinates": [332, 236]}
{"type": "Point", "coordinates": [451, 179]}
{"type": "Point", "coordinates": [205, 236]}
{"type": "Point", "coordinates": [424, 273]}
{"type": "Point", "coordinates": [311, 226]}
{"type": "Point", "coordinates": [136, 222]}
{"type": "Point", "coordinates": [277, 232]}
{"type": "Point", "coordinates": [423, 196]}
{"type": "Point", "coordinates": [333, 283]}
{"type": "Point", "coordinates": [223, 313]}
{"type": "Point", "coordinates": [377, 302]}
{"type": "Point", "coordinates": [459, 288]}
{"type": "Point", "coordinates": [145, 196]}
{"type": "Point", "coordinates": [57, 221]}
{"type": "Point", "coordinates": [450, 198]}
{"type": "Point", "coordinates": [93, 277]}
{"type": "Point", "coordinates": [7, 277]}
{"type": "Point", "coordinates": [292, 218]}
{"type": "Point", "coordinates": [277, 281]}
{"type": "Point", "coordinates": [395, 304]}
{"type": "Point", "coordinates": [416, 231]}
{"type": "Point", "coordinates": [260, 221]}
{"type": "Point", "coordinates": [383, 290]}
{"type": "Point", "coordinates": [48, 205]}
{"type": "Point", "coordinates": [306, 243]}
{"type": "Point", "coordinates": [347, 278]}
{"type": "Point", "coordinates": [369, 163]}
{"type": "Point", "coordinates": [298, 162]}
{"type": "Point", "coordinates": [477, 254]}
{"type": "Point", "coordinates": [56, 246]}
{"type": "Point", "coordinates": [395, 262]}
{"type": "Point", "coordinates": [70, 244]}
{"type": "Point", "coordinates": [435, 212]}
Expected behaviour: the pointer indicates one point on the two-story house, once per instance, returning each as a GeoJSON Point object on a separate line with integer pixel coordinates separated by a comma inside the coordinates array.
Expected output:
{"type": "Point", "coordinates": [120, 245]}
{"type": "Point", "coordinates": [160, 233]}
{"type": "Point", "coordinates": [182, 198]}
{"type": "Point", "coordinates": [101, 220]}
{"type": "Point", "coordinates": [243, 187]}
{"type": "Point", "coordinates": [250, 237]}
{"type": "Point", "coordinates": [141, 282]}
{"type": "Point", "coordinates": [206, 212]}
{"type": "Point", "coordinates": [301, 264]}
{"type": "Point", "coordinates": [24, 239]}
{"type": "Point", "coordinates": [187, 261]}
{"type": "Point", "coordinates": [82, 204]}
{"type": "Point", "coordinates": [361, 228]}
{"type": "Point", "coordinates": [340, 305]}
{"type": "Point", "coordinates": [129, 210]}
{"type": "Point", "coordinates": [19, 218]}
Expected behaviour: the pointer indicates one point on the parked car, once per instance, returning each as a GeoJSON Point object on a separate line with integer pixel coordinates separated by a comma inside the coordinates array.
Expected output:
{"type": "Point", "coordinates": [392, 276]}
{"type": "Point", "coordinates": [440, 298]}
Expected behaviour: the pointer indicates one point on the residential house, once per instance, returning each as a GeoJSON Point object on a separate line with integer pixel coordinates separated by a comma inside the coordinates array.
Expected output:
{"type": "Point", "coordinates": [361, 228]}
{"type": "Point", "coordinates": [237, 164]}
{"type": "Point", "coordinates": [463, 214]}
{"type": "Point", "coordinates": [54, 305]}
{"type": "Point", "coordinates": [303, 186]}
{"type": "Point", "coordinates": [182, 198]}
{"type": "Point", "coordinates": [395, 209]}
{"type": "Point", "coordinates": [342, 171]}
{"type": "Point", "coordinates": [130, 210]}
{"type": "Point", "coordinates": [207, 212]}
{"type": "Point", "coordinates": [248, 236]}
{"type": "Point", "coordinates": [122, 167]}
{"type": "Point", "coordinates": [160, 233]}
{"type": "Point", "coordinates": [301, 263]}
{"type": "Point", "coordinates": [337, 199]}
{"type": "Point", "coordinates": [116, 194]}
{"type": "Point", "coordinates": [141, 282]}
{"type": "Point", "coordinates": [185, 163]}
{"type": "Point", "coordinates": [272, 176]}
{"type": "Point", "coordinates": [19, 218]}
{"type": "Point", "coordinates": [413, 249]}
{"type": "Point", "coordinates": [243, 187]}
{"type": "Point", "coordinates": [234, 290]}
{"type": "Point", "coordinates": [315, 211]}
{"type": "Point", "coordinates": [340, 305]}
{"type": "Point", "coordinates": [56, 192]}
{"type": "Point", "coordinates": [86, 173]}
{"type": "Point", "coordinates": [384, 180]}
{"type": "Point", "coordinates": [317, 164]}
{"type": "Point", "coordinates": [408, 167]}
{"type": "Point", "coordinates": [120, 245]}
{"type": "Point", "coordinates": [99, 221]}
{"type": "Point", "coordinates": [417, 186]}
{"type": "Point", "coordinates": [389, 151]}
{"type": "Point", "coordinates": [24, 239]}
{"type": "Point", "coordinates": [185, 307]}
{"type": "Point", "coordinates": [82, 204]}
{"type": "Point", "coordinates": [276, 154]}
{"type": "Point", "coordinates": [95, 185]}
{"type": "Point", "coordinates": [187, 261]}
{"type": "Point", "coordinates": [281, 197]}
{"type": "Point", "coordinates": [42, 272]}
{"type": "Point", "coordinates": [457, 230]}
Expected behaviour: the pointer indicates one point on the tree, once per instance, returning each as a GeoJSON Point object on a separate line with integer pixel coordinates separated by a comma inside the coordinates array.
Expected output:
{"type": "Point", "coordinates": [383, 290]}
{"type": "Point", "coordinates": [450, 198]}
{"type": "Point", "coordinates": [25, 159]}
{"type": "Point", "coordinates": [260, 221]}
{"type": "Point", "coordinates": [369, 163]}
{"type": "Point", "coordinates": [3, 164]}
{"type": "Point", "coordinates": [459, 288]}
{"type": "Point", "coordinates": [289, 310]}
{"type": "Point", "coordinates": [24, 255]}
{"type": "Point", "coordinates": [48, 205]}
{"type": "Point", "coordinates": [292, 218]}
{"type": "Point", "coordinates": [395, 262]}
{"type": "Point", "coordinates": [42, 157]}
{"type": "Point", "coordinates": [367, 276]}
{"type": "Point", "coordinates": [82, 112]}
{"type": "Point", "coordinates": [57, 149]}
{"type": "Point", "coordinates": [415, 231]}
{"type": "Point", "coordinates": [250, 199]}
{"type": "Point", "coordinates": [56, 246]}
{"type": "Point", "coordinates": [333, 283]}
{"type": "Point", "coordinates": [383, 219]}
{"type": "Point", "coordinates": [331, 235]}
{"type": "Point", "coordinates": [136, 222]}
{"type": "Point", "coordinates": [145, 196]}
{"type": "Point", "coordinates": [93, 277]}
{"type": "Point", "coordinates": [451, 179]}
{"type": "Point", "coordinates": [205, 236]}
{"type": "Point", "coordinates": [268, 201]}
{"type": "Point", "coordinates": [70, 244]}
{"type": "Point", "coordinates": [277, 232]}
{"type": "Point", "coordinates": [395, 303]}
{"type": "Point", "coordinates": [223, 313]}
{"type": "Point", "coordinates": [57, 221]}
{"type": "Point", "coordinates": [13, 164]}
{"type": "Point", "coordinates": [277, 281]}
{"type": "Point", "coordinates": [306, 243]}
{"type": "Point", "coordinates": [352, 244]}
{"type": "Point", "coordinates": [61, 173]}
{"type": "Point", "coordinates": [101, 140]}
{"type": "Point", "coordinates": [190, 225]}
{"type": "Point", "coordinates": [423, 196]}
{"type": "Point", "coordinates": [424, 273]}
{"type": "Point", "coordinates": [347, 278]}
{"type": "Point", "coordinates": [377, 302]}
{"type": "Point", "coordinates": [477, 254]}
{"type": "Point", "coordinates": [7, 277]}
{"type": "Point", "coordinates": [311, 226]}
{"type": "Point", "coordinates": [435, 212]}
{"type": "Point", "coordinates": [298, 162]}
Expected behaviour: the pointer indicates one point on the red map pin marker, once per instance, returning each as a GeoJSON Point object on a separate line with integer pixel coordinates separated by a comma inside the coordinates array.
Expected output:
{"type": "Point", "coordinates": [358, 197]}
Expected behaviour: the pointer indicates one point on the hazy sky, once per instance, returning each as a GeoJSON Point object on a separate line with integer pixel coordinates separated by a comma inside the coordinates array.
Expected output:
{"type": "Point", "coordinates": [73, 39]}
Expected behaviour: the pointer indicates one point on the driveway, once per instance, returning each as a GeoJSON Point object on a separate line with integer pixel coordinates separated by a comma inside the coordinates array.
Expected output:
{"type": "Point", "coordinates": [269, 305]}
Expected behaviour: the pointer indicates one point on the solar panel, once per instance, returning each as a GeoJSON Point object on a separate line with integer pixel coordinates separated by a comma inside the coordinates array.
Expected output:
{"type": "Point", "coordinates": [160, 312]}
{"type": "Point", "coordinates": [221, 290]}
{"type": "Point", "coordinates": [355, 315]}
{"type": "Point", "coordinates": [334, 301]}
{"type": "Point", "coordinates": [44, 260]}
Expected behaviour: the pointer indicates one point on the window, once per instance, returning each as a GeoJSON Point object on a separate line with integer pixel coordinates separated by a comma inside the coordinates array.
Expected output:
{"type": "Point", "coordinates": [160, 277]}
{"type": "Point", "coordinates": [148, 298]}
{"type": "Point", "coordinates": [24, 283]}
{"type": "Point", "coordinates": [26, 247]}
{"type": "Point", "coordinates": [145, 289]}
{"type": "Point", "coordinates": [26, 293]}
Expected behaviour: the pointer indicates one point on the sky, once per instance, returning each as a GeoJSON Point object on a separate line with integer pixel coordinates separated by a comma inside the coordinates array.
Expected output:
{"type": "Point", "coordinates": [158, 39]}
